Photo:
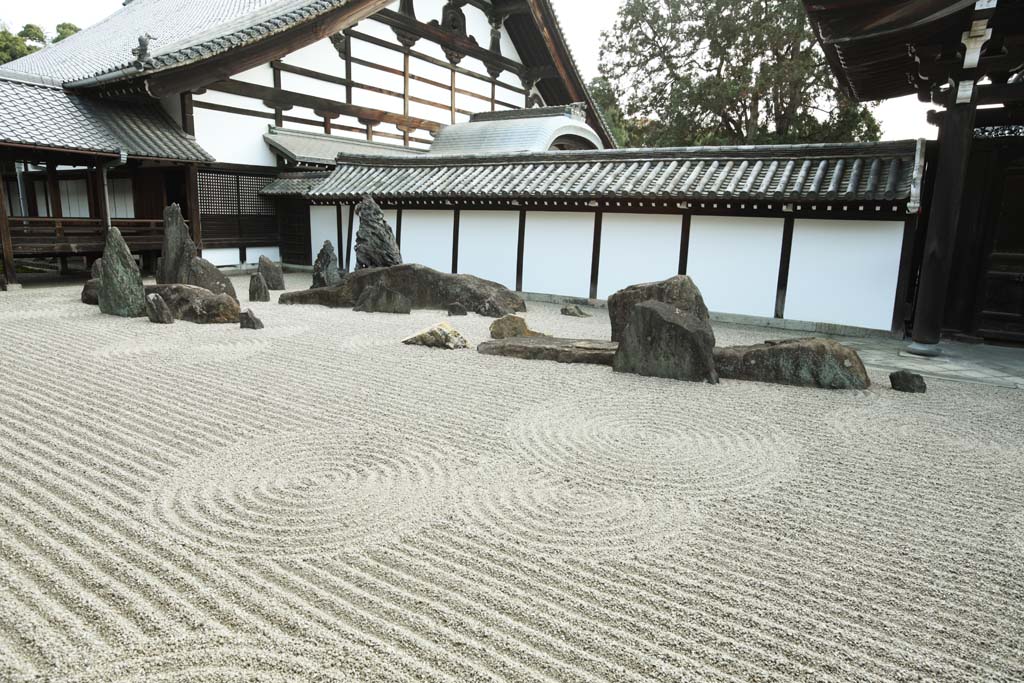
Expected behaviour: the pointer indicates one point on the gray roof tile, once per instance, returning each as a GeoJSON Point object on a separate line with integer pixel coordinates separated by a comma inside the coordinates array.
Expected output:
{"type": "Point", "coordinates": [46, 116]}
{"type": "Point", "coordinates": [320, 149]}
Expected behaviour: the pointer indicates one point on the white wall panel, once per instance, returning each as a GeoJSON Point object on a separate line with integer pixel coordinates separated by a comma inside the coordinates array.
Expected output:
{"type": "Point", "coordinates": [252, 254]}
{"type": "Point", "coordinates": [844, 272]}
{"type": "Point", "coordinates": [323, 226]}
{"type": "Point", "coordinates": [320, 56]}
{"type": "Point", "coordinates": [233, 138]}
{"type": "Point", "coordinates": [74, 198]}
{"type": "Point", "coordinates": [122, 198]}
{"type": "Point", "coordinates": [637, 248]}
{"type": "Point", "coordinates": [557, 253]}
{"type": "Point", "coordinates": [489, 244]}
{"type": "Point", "coordinates": [735, 262]}
{"type": "Point", "coordinates": [312, 86]}
{"type": "Point", "coordinates": [42, 198]}
{"type": "Point", "coordinates": [427, 238]}
{"type": "Point", "coordinates": [260, 75]}
{"type": "Point", "coordinates": [222, 257]}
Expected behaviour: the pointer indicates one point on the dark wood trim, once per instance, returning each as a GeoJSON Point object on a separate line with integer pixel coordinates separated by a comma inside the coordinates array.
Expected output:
{"type": "Point", "coordinates": [595, 255]}
{"type": "Point", "coordinates": [188, 116]}
{"type": "Point", "coordinates": [902, 306]}
{"type": "Point", "coordinates": [102, 196]}
{"type": "Point", "coordinates": [278, 111]}
{"type": "Point", "coordinates": [242, 255]}
{"type": "Point", "coordinates": [456, 221]}
{"type": "Point", "coordinates": [226, 64]}
{"type": "Point", "coordinates": [350, 246]}
{"type": "Point", "coordinates": [398, 228]}
{"type": "Point", "coordinates": [784, 259]}
{"type": "Point", "coordinates": [520, 249]}
{"type": "Point", "coordinates": [339, 227]}
{"type": "Point", "coordinates": [192, 193]}
{"type": "Point", "coordinates": [6, 246]}
{"type": "Point", "coordinates": [53, 199]}
{"type": "Point", "coordinates": [684, 243]}
{"type": "Point", "coordinates": [348, 67]}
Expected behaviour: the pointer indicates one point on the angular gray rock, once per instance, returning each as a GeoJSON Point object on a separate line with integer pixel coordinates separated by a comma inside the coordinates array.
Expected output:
{"type": "Point", "coordinates": [440, 336]}
{"type": "Point", "coordinates": [326, 272]}
{"type": "Point", "coordinates": [551, 348]}
{"type": "Point", "coordinates": [424, 287]}
{"type": "Point", "coordinates": [908, 382]}
{"type": "Point", "coordinates": [380, 299]}
{"type": "Point", "coordinates": [820, 363]}
{"type": "Point", "coordinates": [202, 273]}
{"type": "Point", "coordinates": [511, 326]}
{"type": "Point", "coordinates": [574, 311]}
{"type": "Point", "coordinates": [91, 292]}
{"type": "Point", "coordinates": [249, 321]}
{"type": "Point", "coordinates": [177, 251]}
{"type": "Point", "coordinates": [197, 305]}
{"type": "Point", "coordinates": [272, 273]}
{"type": "Point", "coordinates": [258, 290]}
{"type": "Point", "coordinates": [120, 292]}
{"type": "Point", "coordinates": [375, 241]}
{"type": "Point", "coordinates": [157, 310]}
{"type": "Point", "coordinates": [457, 309]}
{"type": "Point", "coordinates": [661, 340]}
{"type": "Point", "coordinates": [679, 291]}
{"type": "Point", "coordinates": [96, 269]}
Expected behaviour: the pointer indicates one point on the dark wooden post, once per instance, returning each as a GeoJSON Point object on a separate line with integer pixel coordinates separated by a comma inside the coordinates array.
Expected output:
{"type": "Point", "coordinates": [192, 192]}
{"type": "Point", "coordinates": [102, 197]}
{"type": "Point", "coordinates": [5, 237]}
{"type": "Point", "coordinates": [56, 208]}
{"type": "Point", "coordinates": [955, 138]}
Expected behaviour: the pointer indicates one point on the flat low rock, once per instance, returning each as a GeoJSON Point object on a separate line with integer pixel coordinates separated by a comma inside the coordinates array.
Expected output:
{"type": "Point", "coordinates": [908, 382]}
{"type": "Point", "coordinates": [661, 340]}
{"type": "Point", "coordinates": [440, 336]}
{"type": "Point", "coordinates": [552, 348]}
{"type": "Point", "coordinates": [680, 291]}
{"type": "Point", "coordinates": [197, 305]}
{"type": "Point", "coordinates": [574, 311]}
{"type": "Point", "coordinates": [511, 326]}
{"type": "Point", "coordinates": [425, 288]}
{"type": "Point", "coordinates": [817, 363]}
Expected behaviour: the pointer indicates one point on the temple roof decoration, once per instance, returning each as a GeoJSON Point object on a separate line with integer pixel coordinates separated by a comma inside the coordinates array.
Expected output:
{"type": "Point", "coordinates": [525, 130]}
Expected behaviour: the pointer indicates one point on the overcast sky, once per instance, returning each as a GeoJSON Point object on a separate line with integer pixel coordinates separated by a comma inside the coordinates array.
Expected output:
{"type": "Point", "coordinates": [582, 20]}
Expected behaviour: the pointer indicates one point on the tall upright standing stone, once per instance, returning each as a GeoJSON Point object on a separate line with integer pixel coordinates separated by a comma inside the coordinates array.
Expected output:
{"type": "Point", "coordinates": [178, 249]}
{"type": "Point", "coordinates": [375, 241]}
{"type": "Point", "coordinates": [121, 292]}
{"type": "Point", "coordinates": [272, 273]}
{"type": "Point", "coordinates": [326, 272]}
{"type": "Point", "coordinates": [258, 290]}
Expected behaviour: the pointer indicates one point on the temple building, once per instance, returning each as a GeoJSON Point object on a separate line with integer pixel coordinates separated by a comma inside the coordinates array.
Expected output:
{"type": "Point", "coordinates": [469, 123]}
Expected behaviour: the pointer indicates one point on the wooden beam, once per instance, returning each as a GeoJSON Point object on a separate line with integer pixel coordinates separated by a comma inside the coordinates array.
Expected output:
{"type": "Point", "coordinates": [784, 259]}
{"type": "Point", "coordinates": [188, 118]}
{"type": "Point", "coordinates": [6, 246]}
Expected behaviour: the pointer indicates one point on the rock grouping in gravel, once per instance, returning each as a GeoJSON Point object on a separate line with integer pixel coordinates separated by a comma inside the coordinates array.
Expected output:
{"type": "Point", "coordinates": [318, 502]}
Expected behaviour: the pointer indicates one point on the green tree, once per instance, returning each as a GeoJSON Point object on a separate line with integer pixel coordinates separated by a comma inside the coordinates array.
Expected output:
{"type": "Point", "coordinates": [64, 30]}
{"type": "Point", "coordinates": [32, 33]}
{"type": "Point", "coordinates": [608, 104]}
{"type": "Point", "coordinates": [12, 46]}
{"type": "Point", "coordinates": [713, 72]}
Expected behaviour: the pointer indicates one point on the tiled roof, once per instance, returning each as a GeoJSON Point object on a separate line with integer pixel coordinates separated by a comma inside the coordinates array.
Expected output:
{"type": "Point", "coordinates": [524, 130]}
{"type": "Point", "coordinates": [181, 31]}
{"type": "Point", "coordinates": [295, 184]}
{"type": "Point", "coordinates": [864, 172]}
{"type": "Point", "coordinates": [46, 116]}
{"type": "Point", "coordinates": [320, 149]}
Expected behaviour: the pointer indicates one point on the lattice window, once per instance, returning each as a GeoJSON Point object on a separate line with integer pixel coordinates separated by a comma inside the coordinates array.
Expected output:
{"type": "Point", "coordinates": [251, 202]}
{"type": "Point", "coordinates": [218, 194]}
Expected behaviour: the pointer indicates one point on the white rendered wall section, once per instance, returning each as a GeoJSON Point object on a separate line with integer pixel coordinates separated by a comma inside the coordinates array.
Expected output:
{"type": "Point", "coordinates": [427, 238]}
{"type": "Point", "coordinates": [735, 263]}
{"type": "Point", "coordinates": [637, 248]}
{"type": "Point", "coordinates": [252, 254]}
{"type": "Point", "coordinates": [557, 252]}
{"type": "Point", "coordinates": [222, 257]}
{"type": "Point", "coordinates": [844, 272]}
{"type": "Point", "coordinates": [323, 226]}
{"type": "Point", "coordinates": [234, 138]}
{"type": "Point", "coordinates": [489, 244]}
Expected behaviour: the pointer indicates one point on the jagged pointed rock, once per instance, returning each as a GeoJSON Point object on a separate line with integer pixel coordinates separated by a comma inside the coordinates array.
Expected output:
{"type": "Point", "coordinates": [157, 310]}
{"type": "Point", "coordinates": [121, 292]}
{"type": "Point", "coordinates": [272, 273]}
{"type": "Point", "coordinates": [202, 273]}
{"type": "Point", "coordinates": [258, 290]}
{"type": "Point", "coordinates": [375, 241]}
{"type": "Point", "coordinates": [178, 249]}
{"type": "Point", "coordinates": [326, 272]}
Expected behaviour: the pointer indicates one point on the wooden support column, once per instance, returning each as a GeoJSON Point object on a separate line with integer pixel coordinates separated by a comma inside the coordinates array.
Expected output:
{"type": "Point", "coordinates": [955, 140]}
{"type": "Point", "coordinates": [784, 259]}
{"type": "Point", "coordinates": [405, 95]}
{"type": "Point", "coordinates": [53, 192]}
{"type": "Point", "coordinates": [349, 247]}
{"type": "Point", "coordinates": [455, 240]}
{"type": "Point", "coordinates": [6, 247]}
{"type": "Point", "coordinates": [595, 254]}
{"type": "Point", "coordinates": [192, 192]}
{"type": "Point", "coordinates": [520, 248]}
{"type": "Point", "coordinates": [684, 243]}
{"type": "Point", "coordinates": [102, 198]}
{"type": "Point", "coordinates": [188, 117]}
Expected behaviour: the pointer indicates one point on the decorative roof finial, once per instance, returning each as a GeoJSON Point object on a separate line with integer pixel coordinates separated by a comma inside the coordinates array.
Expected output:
{"type": "Point", "coordinates": [142, 51]}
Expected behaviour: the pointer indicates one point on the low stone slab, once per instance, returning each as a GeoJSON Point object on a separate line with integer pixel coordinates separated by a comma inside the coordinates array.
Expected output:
{"type": "Point", "coordinates": [440, 336]}
{"type": "Point", "coordinates": [908, 382]}
{"type": "Point", "coordinates": [818, 363]}
{"type": "Point", "coordinates": [552, 348]}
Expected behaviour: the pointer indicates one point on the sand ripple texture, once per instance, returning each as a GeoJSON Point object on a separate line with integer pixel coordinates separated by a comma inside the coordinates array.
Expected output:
{"type": "Point", "coordinates": [318, 502]}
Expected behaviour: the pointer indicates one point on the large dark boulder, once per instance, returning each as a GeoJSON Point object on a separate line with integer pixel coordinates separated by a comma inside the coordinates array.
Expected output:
{"type": "Point", "coordinates": [249, 321]}
{"type": "Point", "coordinates": [202, 273]}
{"type": "Point", "coordinates": [326, 272]}
{"type": "Point", "coordinates": [820, 363]}
{"type": "Point", "coordinates": [272, 273]}
{"type": "Point", "coordinates": [375, 241]}
{"type": "Point", "coordinates": [177, 251]}
{"type": "Point", "coordinates": [91, 292]}
{"type": "Point", "coordinates": [258, 290]}
{"type": "Point", "coordinates": [908, 382]}
{"type": "Point", "coordinates": [551, 348]}
{"type": "Point", "coordinates": [380, 299]}
{"type": "Point", "coordinates": [424, 287]}
{"type": "Point", "coordinates": [680, 291]}
{"type": "Point", "coordinates": [121, 292]}
{"type": "Point", "coordinates": [197, 305]}
{"type": "Point", "coordinates": [661, 340]}
{"type": "Point", "coordinates": [157, 310]}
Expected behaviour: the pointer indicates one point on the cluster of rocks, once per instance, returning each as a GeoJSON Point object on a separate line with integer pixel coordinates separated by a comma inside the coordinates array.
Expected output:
{"type": "Point", "coordinates": [188, 288]}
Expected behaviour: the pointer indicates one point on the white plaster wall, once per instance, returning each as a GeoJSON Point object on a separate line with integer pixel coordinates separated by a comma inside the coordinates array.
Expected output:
{"type": "Point", "coordinates": [489, 244]}
{"type": "Point", "coordinates": [42, 200]}
{"type": "Point", "coordinates": [222, 257]}
{"type": "Point", "coordinates": [260, 75]}
{"type": "Point", "coordinates": [74, 198]}
{"type": "Point", "coordinates": [252, 254]}
{"type": "Point", "coordinates": [557, 252]}
{"type": "Point", "coordinates": [391, 216]}
{"type": "Point", "coordinates": [637, 248]}
{"type": "Point", "coordinates": [427, 238]}
{"type": "Point", "coordinates": [735, 262]}
{"type": "Point", "coordinates": [323, 226]}
{"type": "Point", "coordinates": [234, 138]}
{"type": "Point", "coordinates": [844, 272]}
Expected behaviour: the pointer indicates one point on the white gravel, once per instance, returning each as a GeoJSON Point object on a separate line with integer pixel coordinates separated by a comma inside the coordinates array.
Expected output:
{"type": "Point", "coordinates": [317, 501]}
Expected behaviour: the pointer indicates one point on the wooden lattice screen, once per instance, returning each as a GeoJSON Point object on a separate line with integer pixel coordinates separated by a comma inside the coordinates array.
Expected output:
{"type": "Point", "coordinates": [234, 214]}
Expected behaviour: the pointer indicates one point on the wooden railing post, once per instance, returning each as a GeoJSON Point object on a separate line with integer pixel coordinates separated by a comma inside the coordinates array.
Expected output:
{"type": "Point", "coordinates": [5, 237]}
{"type": "Point", "coordinates": [56, 207]}
{"type": "Point", "coordinates": [192, 190]}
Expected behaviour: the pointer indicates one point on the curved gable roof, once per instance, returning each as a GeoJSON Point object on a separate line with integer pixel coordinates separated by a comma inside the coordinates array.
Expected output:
{"type": "Point", "coordinates": [528, 130]}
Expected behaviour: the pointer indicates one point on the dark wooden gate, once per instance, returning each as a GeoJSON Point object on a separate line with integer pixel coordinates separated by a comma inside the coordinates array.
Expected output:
{"type": "Point", "coordinates": [1000, 313]}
